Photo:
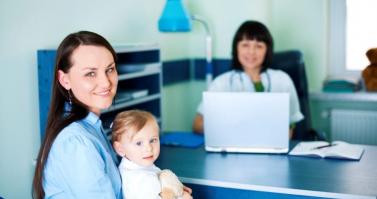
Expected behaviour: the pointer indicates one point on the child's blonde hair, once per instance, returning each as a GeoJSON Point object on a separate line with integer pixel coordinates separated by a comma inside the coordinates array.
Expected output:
{"type": "Point", "coordinates": [130, 122]}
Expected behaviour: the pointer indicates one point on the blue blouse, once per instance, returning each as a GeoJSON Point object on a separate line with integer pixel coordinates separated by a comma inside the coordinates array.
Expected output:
{"type": "Point", "coordinates": [82, 163]}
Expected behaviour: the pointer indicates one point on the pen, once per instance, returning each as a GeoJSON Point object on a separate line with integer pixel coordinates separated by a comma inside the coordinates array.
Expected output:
{"type": "Point", "coordinates": [324, 146]}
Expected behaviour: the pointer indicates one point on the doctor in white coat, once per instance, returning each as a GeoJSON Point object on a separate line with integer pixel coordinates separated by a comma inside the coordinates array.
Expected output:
{"type": "Point", "coordinates": [252, 51]}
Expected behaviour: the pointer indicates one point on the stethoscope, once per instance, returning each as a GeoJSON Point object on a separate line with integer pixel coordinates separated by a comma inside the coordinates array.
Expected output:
{"type": "Point", "coordinates": [231, 80]}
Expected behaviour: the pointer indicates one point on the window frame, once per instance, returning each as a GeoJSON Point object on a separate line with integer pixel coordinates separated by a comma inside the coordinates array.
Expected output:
{"type": "Point", "coordinates": [337, 41]}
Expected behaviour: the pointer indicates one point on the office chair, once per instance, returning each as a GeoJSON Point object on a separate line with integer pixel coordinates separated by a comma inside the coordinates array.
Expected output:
{"type": "Point", "coordinates": [292, 63]}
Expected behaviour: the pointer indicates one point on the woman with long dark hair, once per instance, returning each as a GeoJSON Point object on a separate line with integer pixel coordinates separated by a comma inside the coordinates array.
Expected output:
{"type": "Point", "coordinates": [75, 159]}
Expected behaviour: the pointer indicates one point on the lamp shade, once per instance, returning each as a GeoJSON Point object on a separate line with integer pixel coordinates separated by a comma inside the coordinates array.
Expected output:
{"type": "Point", "coordinates": [174, 18]}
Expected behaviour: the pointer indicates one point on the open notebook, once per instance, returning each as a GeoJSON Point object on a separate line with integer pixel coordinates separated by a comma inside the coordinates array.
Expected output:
{"type": "Point", "coordinates": [336, 149]}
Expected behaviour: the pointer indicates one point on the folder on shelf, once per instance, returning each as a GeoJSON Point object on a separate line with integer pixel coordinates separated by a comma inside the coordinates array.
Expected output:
{"type": "Point", "coordinates": [139, 93]}
{"type": "Point", "coordinates": [182, 139]}
{"type": "Point", "coordinates": [341, 84]}
{"type": "Point", "coordinates": [127, 95]}
{"type": "Point", "coordinates": [130, 68]}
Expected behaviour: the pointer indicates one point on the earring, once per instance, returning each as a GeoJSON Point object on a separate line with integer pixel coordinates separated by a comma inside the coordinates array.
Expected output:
{"type": "Point", "coordinates": [69, 97]}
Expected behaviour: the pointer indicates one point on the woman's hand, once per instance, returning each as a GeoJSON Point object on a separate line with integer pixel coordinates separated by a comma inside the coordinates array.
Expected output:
{"type": "Point", "coordinates": [167, 193]}
{"type": "Point", "coordinates": [187, 189]}
{"type": "Point", "coordinates": [186, 193]}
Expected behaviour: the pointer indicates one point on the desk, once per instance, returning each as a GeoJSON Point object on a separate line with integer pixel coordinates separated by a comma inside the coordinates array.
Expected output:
{"type": "Point", "coordinates": [216, 175]}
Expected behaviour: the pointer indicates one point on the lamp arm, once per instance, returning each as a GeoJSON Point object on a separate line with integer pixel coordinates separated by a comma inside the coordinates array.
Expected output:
{"type": "Point", "coordinates": [202, 21]}
{"type": "Point", "coordinates": [209, 68]}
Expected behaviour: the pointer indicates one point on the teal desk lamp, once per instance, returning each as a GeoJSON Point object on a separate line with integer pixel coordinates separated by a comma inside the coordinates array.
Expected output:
{"type": "Point", "coordinates": [175, 18]}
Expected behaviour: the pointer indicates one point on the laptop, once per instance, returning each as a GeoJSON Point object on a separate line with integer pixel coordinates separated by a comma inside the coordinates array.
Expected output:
{"type": "Point", "coordinates": [246, 122]}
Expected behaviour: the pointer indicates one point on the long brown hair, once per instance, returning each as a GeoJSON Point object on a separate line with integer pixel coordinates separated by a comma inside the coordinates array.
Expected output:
{"type": "Point", "coordinates": [58, 116]}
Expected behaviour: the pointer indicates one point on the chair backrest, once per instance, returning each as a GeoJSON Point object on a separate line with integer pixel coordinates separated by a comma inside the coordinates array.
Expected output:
{"type": "Point", "coordinates": [292, 63]}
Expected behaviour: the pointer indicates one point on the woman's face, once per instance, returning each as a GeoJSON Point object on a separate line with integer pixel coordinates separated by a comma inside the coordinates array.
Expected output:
{"type": "Point", "coordinates": [251, 53]}
{"type": "Point", "coordinates": [92, 78]}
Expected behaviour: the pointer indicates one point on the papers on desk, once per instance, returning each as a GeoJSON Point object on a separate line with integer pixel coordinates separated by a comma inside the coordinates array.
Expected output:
{"type": "Point", "coordinates": [336, 149]}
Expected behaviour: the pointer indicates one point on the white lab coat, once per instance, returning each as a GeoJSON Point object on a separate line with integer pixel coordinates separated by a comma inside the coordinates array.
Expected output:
{"type": "Point", "coordinates": [272, 80]}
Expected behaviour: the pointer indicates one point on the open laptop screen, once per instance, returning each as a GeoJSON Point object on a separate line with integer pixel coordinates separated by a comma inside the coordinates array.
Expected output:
{"type": "Point", "coordinates": [246, 122]}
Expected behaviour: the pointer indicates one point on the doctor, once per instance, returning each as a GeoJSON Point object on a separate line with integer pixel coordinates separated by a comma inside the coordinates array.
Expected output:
{"type": "Point", "coordinates": [252, 51]}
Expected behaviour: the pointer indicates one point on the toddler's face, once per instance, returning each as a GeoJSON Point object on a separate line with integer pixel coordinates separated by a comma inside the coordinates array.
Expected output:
{"type": "Point", "coordinates": [144, 148]}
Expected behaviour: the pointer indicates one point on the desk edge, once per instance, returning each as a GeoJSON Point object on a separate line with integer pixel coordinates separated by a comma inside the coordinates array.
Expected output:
{"type": "Point", "coordinates": [273, 189]}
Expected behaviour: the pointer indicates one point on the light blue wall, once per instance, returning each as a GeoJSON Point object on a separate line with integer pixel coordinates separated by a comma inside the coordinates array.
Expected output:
{"type": "Point", "coordinates": [294, 24]}
{"type": "Point", "coordinates": [224, 17]}
{"type": "Point", "coordinates": [180, 101]}
{"type": "Point", "coordinates": [302, 26]}
{"type": "Point", "coordinates": [30, 25]}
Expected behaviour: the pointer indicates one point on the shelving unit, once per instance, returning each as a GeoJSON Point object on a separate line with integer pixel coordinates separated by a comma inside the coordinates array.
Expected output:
{"type": "Point", "coordinates": [139, 86]}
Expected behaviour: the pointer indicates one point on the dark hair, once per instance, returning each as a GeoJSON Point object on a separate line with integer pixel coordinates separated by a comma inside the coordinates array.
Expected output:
{"type": "Point", "coordinates": [58, 117]}
{"type": "Point", "coordinates": [252, 30]}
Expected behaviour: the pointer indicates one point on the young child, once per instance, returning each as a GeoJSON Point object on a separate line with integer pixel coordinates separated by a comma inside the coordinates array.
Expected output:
{"type": "Point", "coordinates": [136, 138]}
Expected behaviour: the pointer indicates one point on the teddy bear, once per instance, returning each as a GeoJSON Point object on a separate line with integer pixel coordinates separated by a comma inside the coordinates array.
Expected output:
{"type": "Point", "coordinates": [171, 187]}
{"type": "Point", "coordinates": [370, 72]}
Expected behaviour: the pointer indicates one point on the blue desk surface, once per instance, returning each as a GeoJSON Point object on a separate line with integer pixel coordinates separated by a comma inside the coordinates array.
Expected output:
{"type": "Point", "coordinates": [304, 176]}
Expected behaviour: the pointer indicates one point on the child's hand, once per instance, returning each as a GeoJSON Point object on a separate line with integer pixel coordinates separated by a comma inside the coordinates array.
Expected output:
{"type": "Point", "coordinates": [167, 194]}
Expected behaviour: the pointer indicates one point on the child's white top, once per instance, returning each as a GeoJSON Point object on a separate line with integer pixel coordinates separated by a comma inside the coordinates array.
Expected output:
{"type": "Point", "coordinates": [139, 182]}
